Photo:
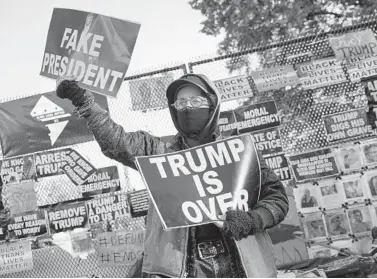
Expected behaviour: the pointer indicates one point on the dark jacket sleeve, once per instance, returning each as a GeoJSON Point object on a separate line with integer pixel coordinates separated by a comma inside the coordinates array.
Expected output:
{"type": "Point", "coordinates": [273, 202]}
{"type": "Point", "coordinates": [115, 143]}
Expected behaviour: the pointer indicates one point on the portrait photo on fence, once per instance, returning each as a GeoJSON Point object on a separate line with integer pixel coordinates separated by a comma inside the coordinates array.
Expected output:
{"type": "Point", "coordinates": [307, 197]}
{"type": "Point", "coordinates": [331, 193]}
{"type": "Point", "coordinates": [353, 187]}
{"type": "Point", "coordinates": [360, 219]}
{"type": "Point", "coordinates": [349, 158]}
{"type": "Point", "coordinates": [337, 223]}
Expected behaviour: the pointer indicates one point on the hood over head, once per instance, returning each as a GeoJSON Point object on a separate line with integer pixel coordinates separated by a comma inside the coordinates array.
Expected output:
{"type": "Point", "coordinates": [209, 90]}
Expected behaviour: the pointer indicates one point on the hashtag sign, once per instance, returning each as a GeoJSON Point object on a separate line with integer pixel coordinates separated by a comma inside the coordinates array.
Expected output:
{"type": "Point", "coordinates": [103, 242]}
{"type": "Point", "coordinates": [105, 258]}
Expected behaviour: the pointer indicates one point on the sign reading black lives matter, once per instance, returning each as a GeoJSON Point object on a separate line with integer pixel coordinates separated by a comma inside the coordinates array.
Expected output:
{"type": "Point", "coordinates": [94, 48]}
{"type": "Point", "coordinates": [279, 164]}
{"type": "Point", "coordinates": [67, 217]}
{"type": "Point", "coordinates": [104, 180]}
{"type": "Point", "coordinates": [49, 163]}
{"type": "Point", "coordinates": [77, 168]}
{"type": "Point", "coordinates": [234, 88]}
{"type": "Point", "coordinates": [15, 257]}
{"type": "Point", "coordinates": [139, 203]}
{"type": "Point", "coordinates": [314, 164]}
{"type": "Point", "coordinates": [268, 141]}
{"type": "Point", "coordinates": [108, 208]}
{"type": "Point", "coordinates": [193, 186]}
{"type": "Point", "coordinates": [347, 125]}
{"type": "Point", "coordinates": [257, 117]}
{"type": "Point", "coordinates": [32, 223]}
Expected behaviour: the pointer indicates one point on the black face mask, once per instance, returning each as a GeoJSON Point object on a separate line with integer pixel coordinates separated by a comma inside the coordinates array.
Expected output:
{"type": "Point", "coordinates": [193, 120]}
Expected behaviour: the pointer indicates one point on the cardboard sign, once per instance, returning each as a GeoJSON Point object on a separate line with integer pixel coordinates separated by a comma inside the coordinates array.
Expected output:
{"type": "Point", "coordinates": [96, 49]}
{"type": "Point", "coordinates": [108, 208]}
{"type": "Point", "coordinates": [139, 203]}
{"type": "Point", "coordinates": [268, 141]}
{"type": "Point", "coordinates": [49, 163]}
{"type": "Point", "coordinates": [15, 257]}
{"type": "Point", "coordinates": [354, 44]}
{"type": "Point", "coordinates": [362, 68]}
{"type": "Point", "coordinates": [193, 186]}
{"type": "Point", "coordinates": [27, 224]}
{"type": "Point", "coordinates": [279, 165]}
{"type": "Point", "coordinates": [119, 248]}
{"type": "Point", "coordinates": [227, 124]}
{"type": "Point", "coordinates": [104, 180]}
{"type": "Point", "coordinates": [371, 91]}
{"type": "Point", "coordinates": [67, 217]}
{"type": "Point", "coordinates": [18, 169]}
{"type": "Point", "coordinates": [275, 78]}
{"type": "Point", "coordinates": [347, 125]}
{"type": "Point", "coordinates": [234, 88]}
{"type": "Point", "coordinates": [257, 117]}
{"type": "Point", "coordinates": [321, 73]}
{"type": "Point", "coordinates": [314, 164]}
{"type": "Point", "coordinates": [21, 197]}
{"type": "Point", "coordinates": [77, 168]}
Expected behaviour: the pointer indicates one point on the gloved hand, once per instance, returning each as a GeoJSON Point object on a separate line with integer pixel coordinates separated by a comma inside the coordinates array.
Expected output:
{"type": "Point", "coordinates": [67, 88]}
{"type": "Point", "coordinates": [241, 224]}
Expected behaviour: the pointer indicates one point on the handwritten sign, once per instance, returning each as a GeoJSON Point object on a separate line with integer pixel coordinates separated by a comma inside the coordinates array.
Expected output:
{"type": "Point", "coordinates": [119, 248]}
{"type": "Point", "coordinates": [233, 88]}
{"type": "Point", "coordinates": [227, 123]}
{"type": "Point", "coordinates": [15, 257]}
{"type": "Point", "coordinates": [21, 197]}
{"type": "Point", "coordinates": [275, 78]}
{"type": "Point", "coordinates": [77, 168]}
{"type": "Point", "coordinates": [104, 180]}
{"type": "Point", "coordinates": [108, 208]}
{"type": "Point", "coordinates": [268, 141]}
{"type": "Point", "coordinates": [67, 217]}
{"type": "Point", "coordinates": [28, 224]}
{"type": "Point", "coordinates": [346, 125]}
{"type": "Point", "coordinates": [139, 203]}
{"type": "Point", "coordinates": [354, 44]}
{"type": "Point", "coordinates": [17, 169]}
{"type": "Point", "coordinates": [362, 68]}
{"type": "Point", "coordinates": [321, 73]}
{"type": "Point", "coordinates": [49, 163]}
{"type": "Point", "coordinates": [279, 165]}
{"type": "Point", "coordinates": [314, 164]}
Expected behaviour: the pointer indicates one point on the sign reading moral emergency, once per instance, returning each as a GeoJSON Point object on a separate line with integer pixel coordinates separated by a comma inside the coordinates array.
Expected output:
{"type": "Point", "coordinates": [314, 164]}
{"type": "Point", "coordinates": [268, 141]}
{"type": "Point", "coordinates": [347, 125]}
{"type": "Point", "coordinates": [15, 257]}
{"type": "Point", "coordinates": [49, 163]}
{"type": "Point", "coordinates": [233, 88]}
{"type": "Point", "coordinates": [32, 223]}
{"type": "Point", "coordinates": [77, 168]}
{"type": "Point", "coordinates": [104, 180]}
{"type": "Point", "coordinates": [67, 217]}
{"type": "Point", "coordinates": [257, 117]}
{"type": "Point", "coordinates": [94, 48]}
{"type": "Point", "coordinates": [193, 186]}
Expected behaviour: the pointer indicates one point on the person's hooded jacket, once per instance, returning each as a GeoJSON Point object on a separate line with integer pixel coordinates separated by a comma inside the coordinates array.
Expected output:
{"type": "Point", "coordinates": [166, 251]}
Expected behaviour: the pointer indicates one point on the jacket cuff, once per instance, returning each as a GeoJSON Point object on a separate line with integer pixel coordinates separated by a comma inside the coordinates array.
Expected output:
{"type": "Point", "coordinates": [266, 216]}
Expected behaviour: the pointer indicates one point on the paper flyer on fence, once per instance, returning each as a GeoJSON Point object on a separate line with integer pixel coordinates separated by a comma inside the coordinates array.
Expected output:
{"type": "Point", "coordinates": [353, 188]}
{"type": "Point", "coordinates": [337, 224]}
{"type": "Point", "coordinates": [348, 158]}
{"type": "Point", "coordinates": [186, 193]}
{"type": "Point", "coordinates": [370, 180]}
{"type": "Point", "coordinates": [331, 193]}
{"type": "Point", "coordinates": [307, 198]}
{"type": "Point", "coordinates": [360, 220]}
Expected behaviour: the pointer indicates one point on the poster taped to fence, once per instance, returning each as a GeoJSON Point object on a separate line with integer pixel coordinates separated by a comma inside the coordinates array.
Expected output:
{"type": "Point", "coordinates": [347, 125]}
{"type": "Point", "coordinates": [27, 224]}
{"type": "Point", "coordinates": [49, 163]}
{"type": "Point", "coordinates": [20, 197]}
{"type": "Point", "coordinates": [104, 180]}
{"type": "Point", "coordinates": [16, 170]}
{"type": "Point", "coordinates": [371, 91]}
{"type": "Point", "coordinates": [257, 117]}
{"type": "Point", "coordinates": [314, 164]}
{"type": "Point", "coordinates": [67, 217]}
{"type": "Point", "coordinates": [193, 186]}
{"type": "Point", "coordinates": [227, 124]}
{"type": "Point", "coordinates": [279, 164]}
{"type": "Point", "coordinates": [94, 48]}
{"type": "Point", "coordinates": [15, 257]}
{"type": "Point", "coordinates": [234, 88]}
{"type": "Point", "coordinates": [119, 248]}
{"type": "Point", "coordinates": [275, 78]}
{"type": "Point", "coordinates": [362, 68]}
{"type": "Point", "coordinates": [139, 203]}
{"type": "Point", "coordinates": [268, 141]}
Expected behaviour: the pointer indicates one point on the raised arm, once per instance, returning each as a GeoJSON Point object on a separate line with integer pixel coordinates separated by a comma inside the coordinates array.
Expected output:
{"type": "Point", "coordinates": [115, 143]}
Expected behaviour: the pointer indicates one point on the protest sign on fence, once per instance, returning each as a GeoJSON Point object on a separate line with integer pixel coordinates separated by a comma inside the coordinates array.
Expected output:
{"type": "Point", "coordinates": [233, 88]}
{"type": "Point", "coordinates": [104, 180]}
{"type": "Point", "coordinates": [354, 44]}
{"type": "Point", "coordinates": [362, 68]}
{"type": "Point", "coordinates": [139, 203]}
{"type": "Point", "coordinates": [94, 48]}
{"type": "Point", "coordinates": [193, 186]}
{"type": "Point", "coordinates": [227, 123]}
{"type": "Point", "coordinates": [49, 163]}
{"type": "Point", "coordinates": [314, 164]}
{"type": "Point", "coordinates": [15, 257]}
{"type": "Point", "coordinates": [20, 197]}
{"type": "Point", "coordinates": [279, 164]}
{"type": "Point", "coordinates": [257, 117]}
{"type": "Point", "coordinates": [15, 170]}
{"type": "Point", "coordinates": [371, 90]}
{"type": "Point", "coordinates": [32, 223]}
{"type": "Point", "coordinates": [119, 248]}
{"type": "Point", "coordinates": [347, 125]}
{"type": "Point", "coordinates": [77, 168]}
{"type": "Point", "coordinates": [268, 141]}
{"type": "Point", "coordinates": [275, 78]}
{"type": "Point", "coordinates": [3, 232]}
{"type": "Point", "coordinates": [108, 208]}
{"type": "Point", "coordinates": [67, 217]}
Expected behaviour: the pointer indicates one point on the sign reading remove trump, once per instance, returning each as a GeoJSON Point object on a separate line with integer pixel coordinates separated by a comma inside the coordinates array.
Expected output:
{"type": "Point", "coordinates": [194, 186]}
{"type": "Point", "coordinates": [96, 49]}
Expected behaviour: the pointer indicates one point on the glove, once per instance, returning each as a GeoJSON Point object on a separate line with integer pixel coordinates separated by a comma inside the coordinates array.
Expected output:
{"type": "Point", "coordinates": [241, 224]}
{"type": "Point", "coordinates": [69, 89]}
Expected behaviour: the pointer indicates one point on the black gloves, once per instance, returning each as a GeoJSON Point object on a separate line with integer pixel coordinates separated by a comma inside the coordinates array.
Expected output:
{"type": "Point", "coordinates": [69, 89]}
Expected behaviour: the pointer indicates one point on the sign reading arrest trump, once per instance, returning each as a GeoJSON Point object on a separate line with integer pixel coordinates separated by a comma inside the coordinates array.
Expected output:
{"type": "Point", "coordinates": [193, 186]}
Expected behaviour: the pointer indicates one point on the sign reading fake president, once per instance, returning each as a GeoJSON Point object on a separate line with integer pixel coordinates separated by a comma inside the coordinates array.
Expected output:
{"type": "Point", "coordinates": [193, 186]}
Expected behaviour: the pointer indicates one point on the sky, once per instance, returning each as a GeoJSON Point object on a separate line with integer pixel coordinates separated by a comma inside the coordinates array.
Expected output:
{"type": "Point", "coordinates": [169, 35]}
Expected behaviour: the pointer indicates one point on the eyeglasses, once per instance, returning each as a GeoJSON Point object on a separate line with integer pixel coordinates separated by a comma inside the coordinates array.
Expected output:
{"type": "Point", "coordinates": [194, 102]}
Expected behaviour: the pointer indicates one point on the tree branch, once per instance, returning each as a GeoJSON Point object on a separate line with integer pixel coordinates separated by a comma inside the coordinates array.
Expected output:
{"type": "Point", "coordinates": [311, 15]}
